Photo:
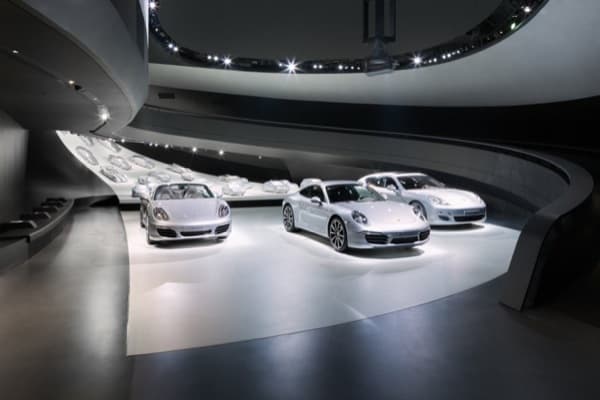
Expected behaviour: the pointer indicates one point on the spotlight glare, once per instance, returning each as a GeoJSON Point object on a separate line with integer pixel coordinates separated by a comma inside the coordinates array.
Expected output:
{"type": "Point", "coordinates": [513, 26]}
{"type": "Point", "coordinates": [194, 149]}
{"type": "Point", "coordinates": [166, 146]}
{"type": "Point", "coordinates": [417, 60]}
{"type": "Point", "coordinates": [221, 152]}
{"type": "Point", "coordinates": [209, 57]}
{"type": "Point", "coordinates": [152, 5]}
{"type": "Point", "coordinates": [216, 58]}
{"type": "Point", "coordinates": [340, 67]}
{"type": "Point", "coordinates": [291, 66]}
{"type": "Point", "coordinates": [527, 9]}
{"type": "Point", "coordinates": [175, 49]}
{"type": "Point", "coordinates": [170, 45]}
{"type": "Point", "coordinates": [104, 115]}
{"type": "Point", "coordinates": [227, 61]}
{"type": "Point", "coordinates": [15, 51]}
{"type": "Point", "coordinates": [122, 140]}
{"type": "Point", "coordinates": [71, 82]}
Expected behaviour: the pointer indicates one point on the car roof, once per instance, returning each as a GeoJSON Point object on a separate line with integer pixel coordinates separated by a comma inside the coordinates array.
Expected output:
{"type": "Point", "coordinates": [397, 173]}
{"type": "Point", "coordinates": [339, 182]}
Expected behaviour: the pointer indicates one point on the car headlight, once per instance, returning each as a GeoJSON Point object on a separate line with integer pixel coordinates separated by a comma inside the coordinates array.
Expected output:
{"type": "Point", "coordinates": [160, 214]}
{"type": "Point", "coordinates": [359, 217]}
{"type": "Point", "coordinates": [438, 201]}
{"type": "Point", "coordinates": [223, 211]}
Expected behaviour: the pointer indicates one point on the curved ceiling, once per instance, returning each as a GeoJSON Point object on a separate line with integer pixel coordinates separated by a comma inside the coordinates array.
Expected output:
{"type": "Point", "coordinates": [552, 58]}
{"type": "Point", "coordinates": [312, 29]}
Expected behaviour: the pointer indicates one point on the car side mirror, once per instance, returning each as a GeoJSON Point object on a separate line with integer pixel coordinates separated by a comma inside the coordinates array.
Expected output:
{"type": "Point", "coordinates": [316, 200]}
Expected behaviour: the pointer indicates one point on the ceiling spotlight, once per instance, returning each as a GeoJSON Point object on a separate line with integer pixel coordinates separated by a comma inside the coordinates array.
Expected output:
{"type": "Point", "coordinates": [280, 65]}
{"type": "Point", "coordinates": [194, 149]}
{"type": "Point", "coordinates": [340, 67]}
{"type": "Point", "coordinates": [71, 82]}
{"type": "Point", "coordinates": [227, 61]}
{"type": "Point", "coordinates": [122, 140]}
{"type": "Point", "coordinates": [15, 52]}
{"type": "Point", "coordinates": [352, 68]}
{"type": "Point", "coordinates": [175, 49]}
{"type": "Point", "coordinates": [170, 45]}
{"type": "Point", "coordinates": [417, 60]}
{"type": "Point", "coordinates": [291, 66]}
{"type": "Point", "coordinates": [260, 157]}
{"type": "Point", "coordinates": [215, 58]}
{"type": "Point", "coordinates": [104, 115]}
{"type": "Point", "coordinates": [527, 9]}
{"type": "Point", "coordinates": [221, 152]}
{"type": "Point", "coordinates": [152, 5]}
{"type": "Point", "coordinates": [315, 66]}
{"type": "Point", "coordinates": [166, 146]}
{"type": "Point", "coordinates": [209, 57]}
{"type": "Point", "coordinates": [513, 26]}
{"type": "Point", "coordinates": [320, 66]}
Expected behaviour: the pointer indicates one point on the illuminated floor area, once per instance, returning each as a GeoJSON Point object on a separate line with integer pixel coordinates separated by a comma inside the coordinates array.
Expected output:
{"type": "Point", "coordinates": [263, 281]}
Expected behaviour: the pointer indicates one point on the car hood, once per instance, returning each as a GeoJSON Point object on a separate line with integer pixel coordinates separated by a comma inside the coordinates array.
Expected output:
{"type": "Point", "coordinates": [188, 210]}
{"type": "Point", "coordinates": [455, 197]}
{"type": "Point", "coordinates": [386, 214]}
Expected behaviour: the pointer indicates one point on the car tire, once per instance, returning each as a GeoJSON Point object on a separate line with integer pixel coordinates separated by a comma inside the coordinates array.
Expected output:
{"type": "Point", "coordinates": [419, 207]}
{"type": "Point", "coordinates": [289, 222]}
{"type": "Point", "coordinates": [337, 234]}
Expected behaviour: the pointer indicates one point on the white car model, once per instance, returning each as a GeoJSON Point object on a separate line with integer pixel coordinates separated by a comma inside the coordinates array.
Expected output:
{"type": "Point", "coordinates": [144, 185]}
{"type": "Point", "coordinates": [188, 176]}
{"type": "Point", "coordinates": [237, 187]}
{"type": "Point", "coordinates": [109, 145]}
{"type": "Point", "coordinates": [352, 215]}
{"type": "Point", "coordinates": [113, 174]}
{"type": "Point", "coordinates": [161, 176]}
{"type": "Point", "coordinates": [439, 204]}
{"type": "Point", "coordinates": [229, 178]}
{"type": "Point", "coordinates": [178, 169]}
{"type": "Point", "coordinates": [120, 162]}
{"type": "Point", "coordinates": [88, 141]}
{"type": "Point", "coordinates": [142, 161]}
{"type": "Point", "coordinates": [277, 186]}
{"type": "Point", "coordinates": [310, 181]}
{"type": "Point", "coordinates": [86, 155]}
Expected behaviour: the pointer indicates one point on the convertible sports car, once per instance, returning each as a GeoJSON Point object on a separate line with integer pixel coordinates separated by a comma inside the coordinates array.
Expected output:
{"type": "Point", "coordinates": [351, 215]}
{"type": "Point", "coordinates": [113, 174]}
{"type": "Point", "coordinates": [120, 162]}
{"type": "Point", "coordinates": [86, 155]}
{"type": "Point", "coordinates": [183, 210]}
{"type": "Point", "coordinates": [439, 204]}
{"type": "Point", "coordinates": [142, 161]}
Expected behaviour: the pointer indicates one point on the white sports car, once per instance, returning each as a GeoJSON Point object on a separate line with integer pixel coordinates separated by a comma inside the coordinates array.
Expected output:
{"type": "Point", "coordinates": [86, 155]}
{"type": "Point", "coordinates": [120, 162]}
{"type": "Point", "coordinates": [439, 204]}
{"type": "Point", "coordinates": [142, 161]}
{"type": "Point", "coordinates": [351, 215]}
{"type": "Point", "coordinates": [183, 210]}
{"type": "Point", "coordinates": [113, 174]}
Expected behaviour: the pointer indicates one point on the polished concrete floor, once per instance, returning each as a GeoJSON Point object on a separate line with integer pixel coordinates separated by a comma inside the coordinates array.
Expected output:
{"type": "Point", "coordinates": [63, 336]}
{"type": "Point", "coordinates": [263, 281]}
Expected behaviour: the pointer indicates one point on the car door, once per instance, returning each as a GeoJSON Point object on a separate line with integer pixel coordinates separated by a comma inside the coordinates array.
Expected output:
{"type": "Point", "coordinates": [302, 207]}
{"type": "Point", "coordinates": [317, 215]}
{"type": "Point", "coordinates": [390, 188]}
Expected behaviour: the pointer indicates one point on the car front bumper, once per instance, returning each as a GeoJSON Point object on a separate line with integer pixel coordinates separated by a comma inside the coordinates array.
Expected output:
{"type": "Point", "coordinates": [457, 216]}
{"type": "Point", "coordinates": [220, 228]}
{"type": "Point", "coordinates": [377, 239]}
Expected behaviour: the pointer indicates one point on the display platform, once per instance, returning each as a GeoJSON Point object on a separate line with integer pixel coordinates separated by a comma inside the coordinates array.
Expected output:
{"type": "Point", "coordinates": [120, 168]}
{"type": "Point", "coordinates": [263, 281]}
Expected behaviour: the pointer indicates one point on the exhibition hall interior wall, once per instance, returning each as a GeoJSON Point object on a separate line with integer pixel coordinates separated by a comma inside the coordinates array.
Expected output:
{"type": "Point", "coordinates": [13, 166]}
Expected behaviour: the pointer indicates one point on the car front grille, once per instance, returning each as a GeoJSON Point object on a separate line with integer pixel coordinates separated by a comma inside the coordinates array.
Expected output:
{"type": "Point", "coordinates": [424, 235]}
{"type": "Point", "coordinates": [166, 232]}
{"type": "Point", "coordinates": [195, 233]}
{"type": "Point", "coordinates": [405, 239]}
{"type": "Point", "coordinates": [469, 218]}
{"type": "Point", "coordinates": [221, 229]}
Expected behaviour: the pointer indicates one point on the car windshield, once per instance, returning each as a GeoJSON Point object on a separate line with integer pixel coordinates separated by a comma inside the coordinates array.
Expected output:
{"type": "Point", "coordinates": [182, 191]}
{"type": "Point", "coordinates": [351, 192]}
{"type": "Point", "coordinates": [419, 182]}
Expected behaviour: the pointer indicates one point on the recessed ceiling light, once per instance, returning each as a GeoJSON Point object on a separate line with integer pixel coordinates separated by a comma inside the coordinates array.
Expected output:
{"type": "Point", "coordinates": [527, 9]}
{"type": "Point", "coordinates": [513, 26]}
{"type": "Point", "coordinates": [221, 152]}
{"type": "Point", "coordinates": [340, 67]}
{"type": "Point", "coordinates": [15, 51]}
{"type": "Point", "coordinates": [176, 49]}
{"type": "Point", "coordinates": [194, 149]}
{"type": "Point", "coordinates": [152, 5]}
{"type": "Point", "coordinates": [104, 115]}
{"type": "Point", "coordinates": [291, 66]}
{"type": "Point", "coordinates": [71, 82]}
{"type": "Point", "coordinates": [166, 146]}
{"type": "Point", "coordinates": [417, 60]}
{"type": "Point", "coordinates": [227, 61]}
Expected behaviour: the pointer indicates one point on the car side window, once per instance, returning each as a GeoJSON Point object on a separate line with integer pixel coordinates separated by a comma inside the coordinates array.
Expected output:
{"type": "Point", "coordinates": [306, 192]}
{"type": "Point", "coordinates": [390, 182]}
{"type": "Point", "coordinates": [318, 192]}
{"type": "Point", "coordinates": [373, 181]}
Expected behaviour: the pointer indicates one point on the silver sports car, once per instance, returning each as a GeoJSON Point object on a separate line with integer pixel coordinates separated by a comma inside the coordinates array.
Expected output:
{"type": "Point", "coordinates": [183, 210]}
{"type": "Point", "coordinates": [439, 204]}
{"type": "Point", "coordinates": [351, 215]}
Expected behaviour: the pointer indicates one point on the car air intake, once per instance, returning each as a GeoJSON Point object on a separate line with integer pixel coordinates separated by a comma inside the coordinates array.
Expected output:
{"type": "Point", "coordinates": [221, 229]}
{"type": "Point", "coordinates": [469, 218]}
{"type": "Point", "coordinates": [424, 235]}
{"type": "Point", "coordinates": [405, 240]}
{"type": "Point", "coordinates": [166, 232]}
{"type": "Point", "coordinates": [376, 238]}
{"type": "Point", "coordinates": [195, 233]}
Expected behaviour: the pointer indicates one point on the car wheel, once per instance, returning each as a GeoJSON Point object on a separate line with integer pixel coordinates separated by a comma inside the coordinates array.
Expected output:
{"type": "Point", "coordinates": [419, 208]}
{"type": "Point", "coordinates": [337, 234]}
{"type": "Point", "coordinates": [288, 219]}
